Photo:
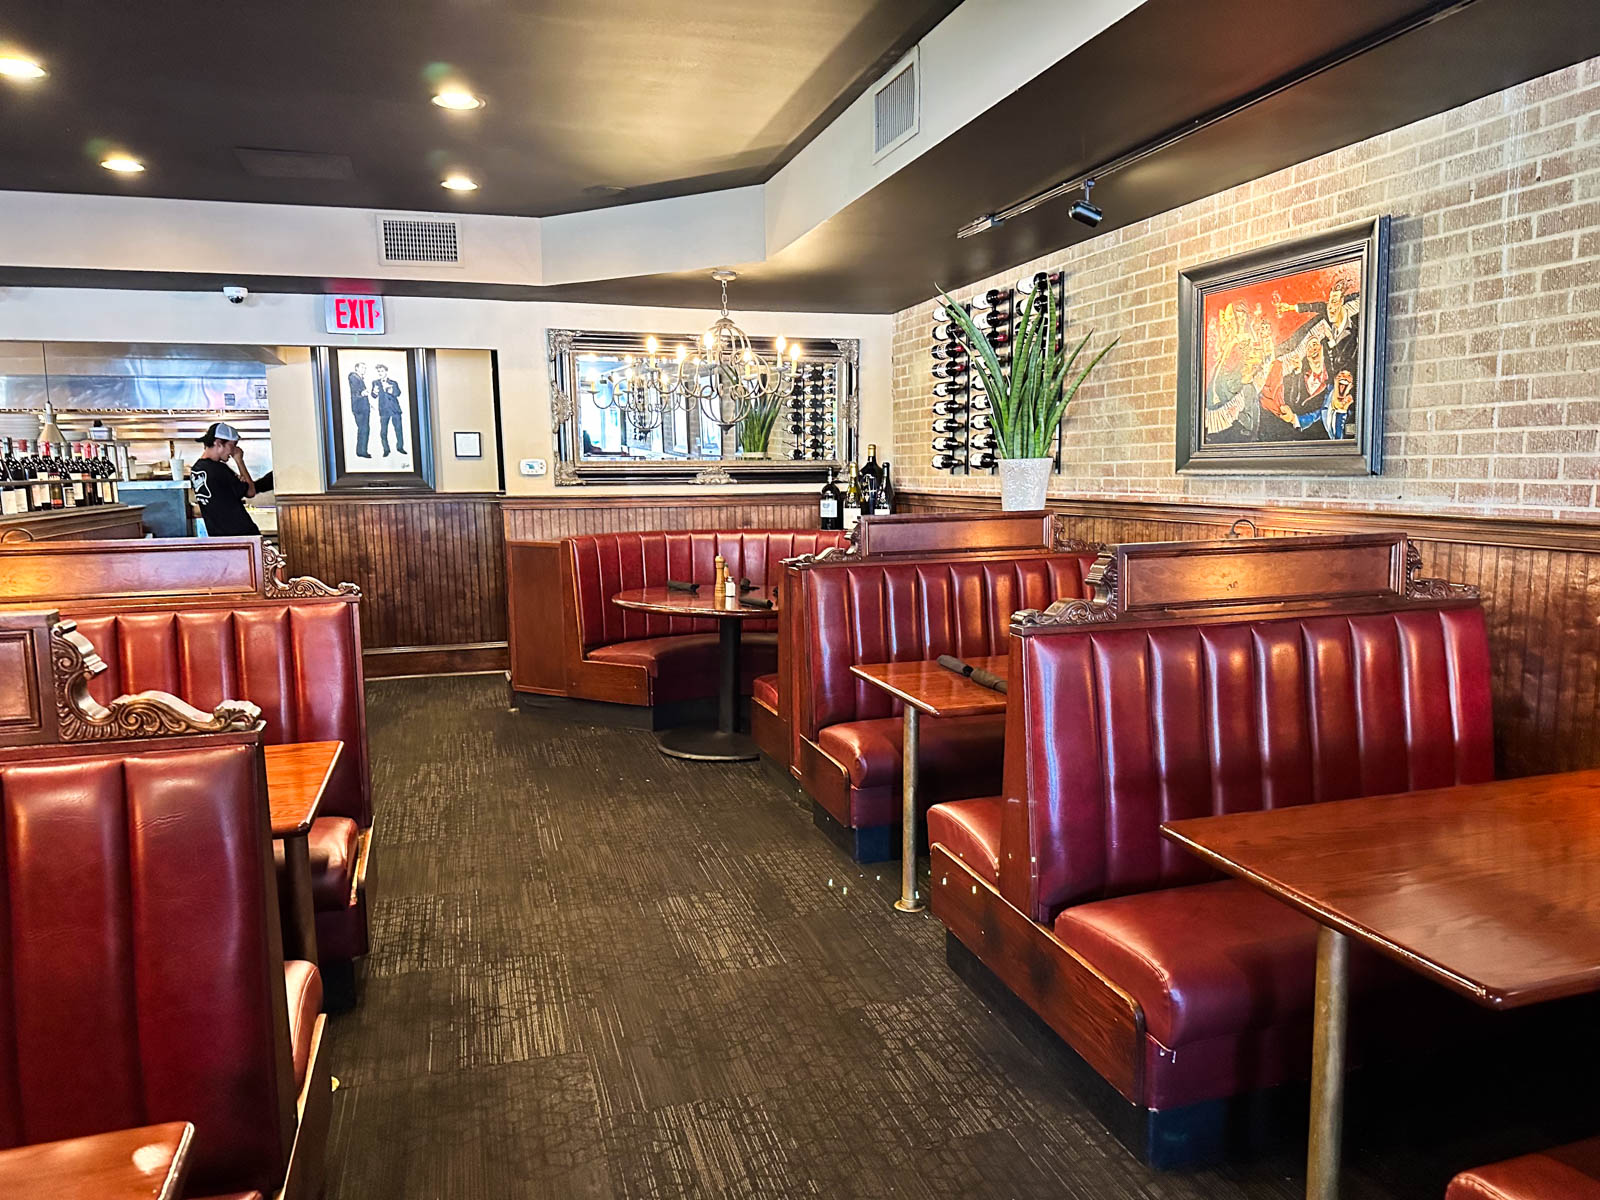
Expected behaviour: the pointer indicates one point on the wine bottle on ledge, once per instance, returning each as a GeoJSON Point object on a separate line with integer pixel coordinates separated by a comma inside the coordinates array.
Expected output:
{"type": "Point", "coordinates": [831, 508]}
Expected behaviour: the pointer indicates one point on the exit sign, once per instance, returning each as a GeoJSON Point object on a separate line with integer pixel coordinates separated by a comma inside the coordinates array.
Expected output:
{"type": "Point", "coordinates": [353, 314]}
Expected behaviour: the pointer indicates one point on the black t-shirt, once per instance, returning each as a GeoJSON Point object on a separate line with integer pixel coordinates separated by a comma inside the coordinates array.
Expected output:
{"type": "Point", "coordinates": [220, 494]}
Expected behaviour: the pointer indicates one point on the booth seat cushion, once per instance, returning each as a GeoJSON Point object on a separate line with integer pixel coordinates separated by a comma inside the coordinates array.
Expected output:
{"type": "Point", "coordinates": [970, 829]}
{"type": "Point", "coordinates": [335, 844]}
{"type": "Point", "coordinates": [764, 690]}
{"type": "Point", "coordinates": [1565, 1173]}
{"type": "Point", "coordinates": [688, 665]}
{"type": "Point", "coordinates": [1210, 960]}
{"type": "Point", "coordinates": [959, 756]}
{"type": "Point", "coordinates": [236, 1196]}
{"type": "Point", "coordinates": [302, 984]}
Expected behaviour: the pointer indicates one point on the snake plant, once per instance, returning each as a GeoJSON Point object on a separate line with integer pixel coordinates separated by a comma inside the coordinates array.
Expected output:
{"type": "Point", "coordinates": [755, 428]}
{"type": "Point", "coordinates": [1029, 401]}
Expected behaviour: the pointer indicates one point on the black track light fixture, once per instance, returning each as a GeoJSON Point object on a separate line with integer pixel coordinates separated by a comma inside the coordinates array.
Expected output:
{"type": "Point", "coordinates": [1091, 216]}
{"type": "Point", "coordinates": [1082, 210]}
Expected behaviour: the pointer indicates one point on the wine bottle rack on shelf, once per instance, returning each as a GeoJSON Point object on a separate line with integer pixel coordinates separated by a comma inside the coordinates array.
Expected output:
{"type": "Point", "coordinates": [813, 414]}
{"type": "Point", "coordinates": [962, 428]}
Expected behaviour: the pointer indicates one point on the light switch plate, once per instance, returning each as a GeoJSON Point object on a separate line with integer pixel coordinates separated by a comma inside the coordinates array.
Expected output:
{"type": "Point", "coordinates": [533, 466]}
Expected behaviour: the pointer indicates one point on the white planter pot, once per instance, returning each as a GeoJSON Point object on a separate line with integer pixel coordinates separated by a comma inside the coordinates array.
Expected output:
{"type": "Point", "coordinates": [1023, 483]}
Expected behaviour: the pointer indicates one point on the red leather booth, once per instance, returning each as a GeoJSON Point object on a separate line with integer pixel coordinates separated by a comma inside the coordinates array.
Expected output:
{"type": "Point", "coordinates": [846, 733]}
{"type": "Point", "coordinates": [142, 979]}
{"type": "Point", "coordinates": [629, 657]}
{"type": "Point", "coordinates": [1178, 988]}
{"type": "Point", "coordinates": [213, 619]}
{"type": "Point", "coordinates": [902, 536]}
{"type": "Point", "coordinates": [1569, 1172]}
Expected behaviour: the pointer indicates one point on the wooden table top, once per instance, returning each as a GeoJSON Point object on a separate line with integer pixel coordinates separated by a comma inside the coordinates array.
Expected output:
{"type": "Point", "coordinates": [1491, 889]}
{"type": "Point", "coordinates": [130, 1164]}
{"type": "Point", "coordinates": [695, 604]}
{"type": "Point", "coordinates": [297, 774]}
{"type": "Point", "coordinates": [936, 690]}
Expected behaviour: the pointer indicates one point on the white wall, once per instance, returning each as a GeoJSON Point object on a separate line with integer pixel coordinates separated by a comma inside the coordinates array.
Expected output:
{"type": "Point", "coordinates": [514, 329]}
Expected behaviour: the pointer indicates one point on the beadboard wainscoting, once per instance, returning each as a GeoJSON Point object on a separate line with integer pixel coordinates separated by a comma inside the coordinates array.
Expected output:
{"type": "Point", "coordinates": [431, 569]}
{"type": "Point", "coordinates": [548, 519]}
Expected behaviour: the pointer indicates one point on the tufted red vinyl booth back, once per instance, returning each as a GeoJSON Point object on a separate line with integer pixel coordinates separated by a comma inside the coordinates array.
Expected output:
{"type": "Point", "coordinates": [1112, 731]}
{"type": "Point", "coordinates": [141, 977]}
{"type": "Point", "coordinates": [604, 564]}
{"type": "Point", "coordinates": [868, 612]}
{"type": "Point", "coordinates": [299, 660]}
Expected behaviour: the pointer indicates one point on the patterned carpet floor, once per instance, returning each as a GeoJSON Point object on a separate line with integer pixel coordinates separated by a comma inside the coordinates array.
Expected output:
{"type": "Point", "coordinates": [600, 972]}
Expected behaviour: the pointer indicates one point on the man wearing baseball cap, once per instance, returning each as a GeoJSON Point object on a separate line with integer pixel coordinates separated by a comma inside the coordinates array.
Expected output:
{"type": "Point", "coordinates": [217, 490]}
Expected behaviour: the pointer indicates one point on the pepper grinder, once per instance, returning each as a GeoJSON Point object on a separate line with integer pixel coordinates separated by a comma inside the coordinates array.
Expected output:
{"type": "Point", "coordinates": [720, 587]}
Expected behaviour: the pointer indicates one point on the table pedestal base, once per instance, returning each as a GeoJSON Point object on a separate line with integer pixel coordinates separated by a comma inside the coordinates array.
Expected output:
{"type": "Point", "coordinates": [708, 745]}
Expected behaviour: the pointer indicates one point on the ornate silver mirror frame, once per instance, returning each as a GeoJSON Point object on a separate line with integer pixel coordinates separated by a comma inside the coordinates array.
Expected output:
{"type": "Point", "coordinates": [568, 347]}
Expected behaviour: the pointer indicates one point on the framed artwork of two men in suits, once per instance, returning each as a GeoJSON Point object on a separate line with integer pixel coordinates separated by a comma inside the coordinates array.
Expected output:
{"type": "Point", "coordinates": [1281, 358]}
{"type": "Point", "coordinates": [376, 423]}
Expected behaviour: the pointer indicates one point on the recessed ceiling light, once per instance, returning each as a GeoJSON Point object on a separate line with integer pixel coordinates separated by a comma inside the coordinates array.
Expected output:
{"type": "Point", "coordinates": [14, 66]}
{"type": "Point", "coordinates": [459, 183]}
{"type": "Point", "coordinates": [122, 164]}
{"type": "Point", "coordinates": [458, 100]}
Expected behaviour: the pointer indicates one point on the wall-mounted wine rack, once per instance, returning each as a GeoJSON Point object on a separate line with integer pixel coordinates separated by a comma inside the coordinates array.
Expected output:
{"type": "Point", "coordinates": [813, 412]}
{"type": "Point", "coordinates": [963, 432]}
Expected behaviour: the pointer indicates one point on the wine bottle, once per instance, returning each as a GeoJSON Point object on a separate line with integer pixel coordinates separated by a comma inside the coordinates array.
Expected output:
{"type": "Point", "coordinates": [949, 408]}
{"type": "Point", "coordinates": [871, 473]}
{"type": "Point", "coordinates": [944, 462]}
{"type": "Point", "coordinates": [987, 300]}
{"type": "Point", "coordinates": [948, 353]}
{"type": "Point", "coordinates": [830, 514]}
{"type": "Point", "coordinates": [947, 388]}
{"type": "Point", "coordinates": [11, 500]}
{"type": "Point", "coordinates": [946, 425]}
{"type": "Point", "coordinates": [1029, 284]}
{"type": "Point", "coordinates": [983, 462]}
{"type": "Point", "coordinates": [852, 498]}
{"type": "Point", "coordinates": [945, 443]}
{"type": "Point", "coordinates": [886, 491]}
{"type": "Point", "coordinates": [950, 372]}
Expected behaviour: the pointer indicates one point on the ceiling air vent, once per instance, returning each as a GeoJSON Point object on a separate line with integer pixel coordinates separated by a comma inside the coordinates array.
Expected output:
{"type": "Point", "coordinates": [418, 240]}
{"type": "Point", "coordinates": [896, 107]}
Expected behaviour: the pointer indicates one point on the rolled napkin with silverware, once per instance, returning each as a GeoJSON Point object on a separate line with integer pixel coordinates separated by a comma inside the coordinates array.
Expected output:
{"type": "Point", "coordinates": [755, 602]}
{"type": "Point", "coordinates": [978, 675]}
{"type": "Point", "coordinates": [679, 585]}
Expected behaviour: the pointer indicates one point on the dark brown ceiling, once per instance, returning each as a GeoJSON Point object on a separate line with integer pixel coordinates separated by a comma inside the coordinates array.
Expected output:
{"type": "Point", "coordinates": [660, 97]}
{"type": "Point", "coordinates": [1162, 65]}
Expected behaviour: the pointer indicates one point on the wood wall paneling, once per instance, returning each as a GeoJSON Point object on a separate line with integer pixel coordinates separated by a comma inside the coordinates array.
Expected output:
{"type": "Point", "coordinates": [549, 520]}
{"type": "Point", "coordinates": [431, 568]}
{"type": "Point", "coordinates": [1540, 582]}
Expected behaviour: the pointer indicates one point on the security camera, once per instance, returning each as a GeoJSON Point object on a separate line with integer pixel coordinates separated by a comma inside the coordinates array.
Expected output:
{"type": "Point", "coordinates": [236, 295]}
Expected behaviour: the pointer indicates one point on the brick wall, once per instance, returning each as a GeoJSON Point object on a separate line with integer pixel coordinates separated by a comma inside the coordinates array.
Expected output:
{"type": "Point", "coordinates": [1494, 317]}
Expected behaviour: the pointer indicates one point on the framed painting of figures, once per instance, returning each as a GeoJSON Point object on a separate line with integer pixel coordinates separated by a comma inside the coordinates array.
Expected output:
{"type": "Point", "coordinates": [1281, 358]}
{"type": "Point", "coordinates": [376, 411]}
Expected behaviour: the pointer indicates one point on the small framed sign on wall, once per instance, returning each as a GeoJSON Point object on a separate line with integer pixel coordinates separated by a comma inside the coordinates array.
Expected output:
{"type": "Point", "coordinates": [469, 444]}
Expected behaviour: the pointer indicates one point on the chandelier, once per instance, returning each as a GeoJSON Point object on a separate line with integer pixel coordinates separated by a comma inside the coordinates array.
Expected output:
{"type": "Point", "coordinates": [728, 377]}
{"type": "Point", "coordinates": [725, 376]}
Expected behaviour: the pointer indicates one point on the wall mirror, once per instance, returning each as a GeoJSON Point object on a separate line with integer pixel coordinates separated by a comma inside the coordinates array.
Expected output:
{"type": "Point", "coordinates": [635, 408]}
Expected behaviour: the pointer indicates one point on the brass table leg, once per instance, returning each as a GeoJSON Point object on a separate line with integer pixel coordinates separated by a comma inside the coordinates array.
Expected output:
{"type": "Point", "coordinates": [1327, 1064]}
{"type": "Point", "coordinates": [909, 901]}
